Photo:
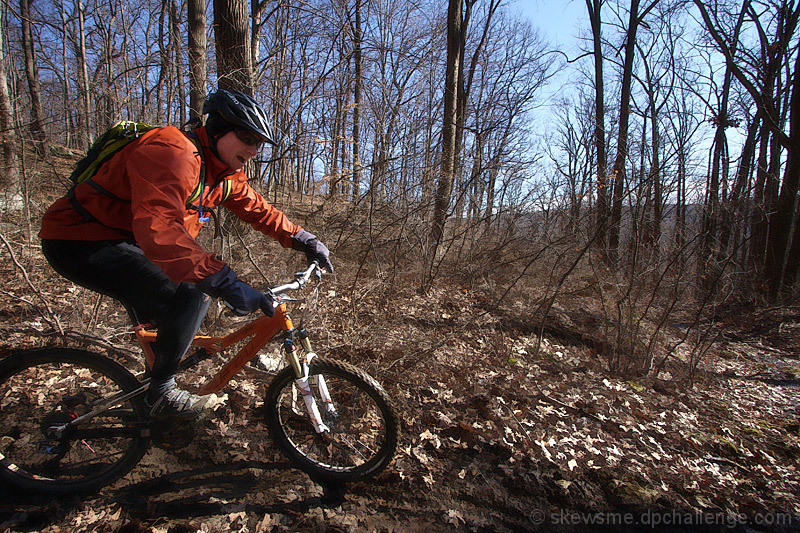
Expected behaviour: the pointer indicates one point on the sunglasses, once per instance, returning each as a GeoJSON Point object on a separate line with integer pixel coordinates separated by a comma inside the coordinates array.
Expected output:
{"type": "Point", "coordinates": [248, 137]}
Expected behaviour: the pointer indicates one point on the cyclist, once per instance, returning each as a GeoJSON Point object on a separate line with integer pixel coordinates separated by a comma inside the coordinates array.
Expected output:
{"type": "Point", "coordinates": [129, 233]}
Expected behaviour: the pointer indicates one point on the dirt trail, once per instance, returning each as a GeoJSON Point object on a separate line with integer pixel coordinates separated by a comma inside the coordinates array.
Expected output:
{"type": "Point", "coordinates": [494, 438]}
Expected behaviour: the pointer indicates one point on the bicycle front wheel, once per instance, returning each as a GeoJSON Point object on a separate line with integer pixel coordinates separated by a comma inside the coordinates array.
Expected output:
{"type": "Point", "coordinates": [362, 427]}
{"type": "Point", "coordinates": [45, 445]}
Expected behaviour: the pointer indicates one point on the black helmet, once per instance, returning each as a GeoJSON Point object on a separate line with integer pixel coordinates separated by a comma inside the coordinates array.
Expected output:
{"type": "Point", "coordinates": [236, 110]}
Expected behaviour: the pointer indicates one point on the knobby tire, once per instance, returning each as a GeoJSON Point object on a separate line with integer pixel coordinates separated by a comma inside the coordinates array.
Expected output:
{"type": "Point", "coordinates": [41, 389]}
{"type": "Point", "coordinates": [364, 431]}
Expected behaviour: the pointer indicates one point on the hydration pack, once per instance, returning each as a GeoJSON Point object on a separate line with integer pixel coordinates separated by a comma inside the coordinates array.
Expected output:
{"type": "Point", "coordinates": [104, 147]}
{"type": "Point", "coordinates": [107, 145]}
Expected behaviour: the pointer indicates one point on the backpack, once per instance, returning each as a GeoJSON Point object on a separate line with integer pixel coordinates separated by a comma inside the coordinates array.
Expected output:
{"type": "Point", "coordinates": [104, 147]}
{"type": "Point", "coordinates": [107, 145]}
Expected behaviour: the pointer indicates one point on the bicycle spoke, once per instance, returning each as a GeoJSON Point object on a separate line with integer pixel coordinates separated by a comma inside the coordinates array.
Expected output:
{"type": "Point", "coordinates": [362, 430]}
{"type": "Point", "coordinates": [69, 421]}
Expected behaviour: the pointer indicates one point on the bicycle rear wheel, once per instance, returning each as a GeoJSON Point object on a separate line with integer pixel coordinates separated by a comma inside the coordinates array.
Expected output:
{"type": "Point", "coordinates": [363, 425]}
{"type": "Point", "coordinates": [41, 392]}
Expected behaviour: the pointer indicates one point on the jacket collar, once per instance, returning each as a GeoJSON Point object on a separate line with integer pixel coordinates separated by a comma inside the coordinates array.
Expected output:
{"type": "Point", "coordinates": [216, 170]}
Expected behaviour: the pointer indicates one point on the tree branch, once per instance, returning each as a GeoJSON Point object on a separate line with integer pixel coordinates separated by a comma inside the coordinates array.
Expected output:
{"type": "Point", "coordinates": [52, 317]}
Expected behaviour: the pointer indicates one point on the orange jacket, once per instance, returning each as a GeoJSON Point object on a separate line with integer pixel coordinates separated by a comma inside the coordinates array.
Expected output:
{"type": "Point", "coordinates": [158, 172]}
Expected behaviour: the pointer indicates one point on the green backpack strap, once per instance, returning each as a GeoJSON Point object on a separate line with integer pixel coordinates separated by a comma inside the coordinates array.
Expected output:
{"type": "Point", "coordinates": [227, 184]}
{"type": "Point", "coordinates": [201, 184]}
{"type": "Point", "coordinates": [227, 187]}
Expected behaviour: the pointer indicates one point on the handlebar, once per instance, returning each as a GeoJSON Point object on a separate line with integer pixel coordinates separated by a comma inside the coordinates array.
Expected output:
{"type": "Point", "coordinates": [300, 279]}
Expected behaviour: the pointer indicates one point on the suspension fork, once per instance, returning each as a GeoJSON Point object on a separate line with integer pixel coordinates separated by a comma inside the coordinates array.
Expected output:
{"type": "Point", "coordinates": [305, 342]}
{"type": "Point", "coordinates": [304, 382]}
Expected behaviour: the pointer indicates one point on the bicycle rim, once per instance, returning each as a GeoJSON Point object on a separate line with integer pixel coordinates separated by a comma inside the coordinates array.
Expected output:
{"type": "Point", "coordinates": [43, 390]}
{"type": "Point", "coordinates": [363, 429]}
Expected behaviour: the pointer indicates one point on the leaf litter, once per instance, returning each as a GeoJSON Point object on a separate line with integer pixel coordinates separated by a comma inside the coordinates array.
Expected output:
{"type": "Point", "coordinates": [493, 438]}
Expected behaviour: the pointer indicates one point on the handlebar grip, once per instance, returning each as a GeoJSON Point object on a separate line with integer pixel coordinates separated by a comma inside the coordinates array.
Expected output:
{"type": "Point", "coordinates": [235, 311]}
{"type": "Point", "coordinates": [313, 267]}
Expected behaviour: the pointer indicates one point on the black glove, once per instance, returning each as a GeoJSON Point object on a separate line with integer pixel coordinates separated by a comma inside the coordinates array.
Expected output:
{"type": "Point", "coordinates": [239, 296]}
{"type": "Point", "coordinates": [315, 251]}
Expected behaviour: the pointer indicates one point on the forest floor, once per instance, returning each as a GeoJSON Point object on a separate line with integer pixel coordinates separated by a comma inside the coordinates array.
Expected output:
{"type": "Point", "coordinates": [501, 431]}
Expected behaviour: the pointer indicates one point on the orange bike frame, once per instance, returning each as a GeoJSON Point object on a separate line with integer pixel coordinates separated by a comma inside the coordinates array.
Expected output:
{"type": "Point", "coordinates": [262, 329]}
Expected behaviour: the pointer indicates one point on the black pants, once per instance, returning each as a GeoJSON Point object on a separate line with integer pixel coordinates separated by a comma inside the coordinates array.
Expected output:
{"type": "Point", "coordinates": [120, 269]}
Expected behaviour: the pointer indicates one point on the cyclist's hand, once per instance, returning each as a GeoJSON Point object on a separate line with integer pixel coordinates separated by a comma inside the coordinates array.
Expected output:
{"type": "Point", "coordinates": [315, 251]}
{"type": "Point", "coordinates": [238, 295]}
{"type": "Point", "coordinates": [248, 300]}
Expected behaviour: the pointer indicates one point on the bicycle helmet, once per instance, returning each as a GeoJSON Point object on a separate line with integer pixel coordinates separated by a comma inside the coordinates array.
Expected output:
{"type": "Point", "coordinates": [228, 110]}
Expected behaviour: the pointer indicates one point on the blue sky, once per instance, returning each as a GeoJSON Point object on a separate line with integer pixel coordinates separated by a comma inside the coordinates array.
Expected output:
{"type": "Point", "coordinates": [560, 21]}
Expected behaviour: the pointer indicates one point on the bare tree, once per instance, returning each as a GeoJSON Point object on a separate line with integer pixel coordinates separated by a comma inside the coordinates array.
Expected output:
{"type": "Point", "coordinates": [83, 74]}
{"type": "Point", "coordinates": [572, 153]}
{"type": "Point", "coordinates": [760, 84]}
{"type": "Point", "coordinates": [65, 78]}
{"type": "Point", "coordinates": [8, 140]}
{"type": "Point", "coordinates": [358, 82]}
{"type": "Point", "coordinates": [31, 72]}
{"type": "Point", "coordinates": [603, 205]}
{"type": "Point", "coordinates": [712, 213]}
{"type": "Point", "coordinates": [618, 172]}
{"type": "Point", "coordinates": [107, 107]}
{"type": "Point", "coordinates": [465, 80]}
{"type": "Point", "coordinates": [232, 45]}
{"type": "Point", "coordinates": [177, 59]}
{"type": "Point", "coordinates": [790, 187]}
{"type": "Point", "coordinates": [455, 30]}
{"type": "Point", "coordinates": [196, 17]}
{"type": "Point", "coordinates": [658, 83]}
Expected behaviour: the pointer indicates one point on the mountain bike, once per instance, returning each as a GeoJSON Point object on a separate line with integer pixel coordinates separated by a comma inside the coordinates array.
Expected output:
{"type": "Point", "coordinates": [73, 420]}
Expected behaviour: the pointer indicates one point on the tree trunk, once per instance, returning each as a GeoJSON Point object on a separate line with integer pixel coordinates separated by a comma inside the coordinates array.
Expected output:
{"type": "Point", "coordinates": [290, 164]}
{"type": "Point", "coordinates": [761, 204]}
{"type": "Point", "coordinates": [83, 77]}
{"type": "Point", "coordinates": [177, 58]}
{"type": "Point", "coordinates": [65, 93]}
{"type": "Point", "coordinates": [465, 79]}
{"type": "Point", "coordinates": [231, 38]}
{"type": "Point", "coordinates": [780, 226]}
{"type": "Point", "coordinates": [461, 109]}
{"type": "Point", "coordinates": [162, 86]}
{"type": "Point", "coordinates": [357, 84]}
{"type": "Point", "coordinates": [713, 210]}
{"type": "Point", "coordinates": [31, 73]}
{"type": "Point", "coordinates": [445, 186]}
{"type": "Point", "coordinates": [8, 140]}
{"type": "Point", "coordinates": [680, 200]}
{"type": "Point", "coordinates": [619, 170]}
{"type": "Point", "coordinates": [654, 227]}
{"type": "Point", "coordinates": [107, 105]}
{"type": "Point", "coordinates": [197, 57]}
{"type": "Point", "coordinates": [737, 212]}
{"type": "Point", "coordinates": [603, 211]}
{"type": "Point", "coordinates": [336, 172]}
